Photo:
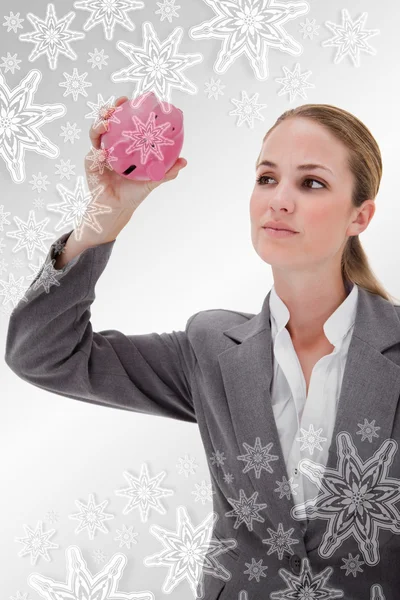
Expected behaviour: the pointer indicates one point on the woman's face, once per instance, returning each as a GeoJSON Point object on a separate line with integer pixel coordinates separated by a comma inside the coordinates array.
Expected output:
{"type": "Point", "coordinates": [316, 202]}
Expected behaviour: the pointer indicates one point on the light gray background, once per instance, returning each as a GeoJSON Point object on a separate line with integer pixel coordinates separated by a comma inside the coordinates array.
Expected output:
{"type": "Point", "coordinates": [187, 248]}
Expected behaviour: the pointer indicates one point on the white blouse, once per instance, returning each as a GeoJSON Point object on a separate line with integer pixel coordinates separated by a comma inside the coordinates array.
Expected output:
{"type": "Point", "coordinates": [313, 418]}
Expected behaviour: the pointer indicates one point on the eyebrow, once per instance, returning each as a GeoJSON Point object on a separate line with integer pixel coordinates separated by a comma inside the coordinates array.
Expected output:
{"type": "Point", "coordinates": [305, 167]}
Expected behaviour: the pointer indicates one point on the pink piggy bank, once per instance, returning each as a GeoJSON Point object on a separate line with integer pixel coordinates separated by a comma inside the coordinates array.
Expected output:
{"type": "Point", "coordinates": [144, 138]}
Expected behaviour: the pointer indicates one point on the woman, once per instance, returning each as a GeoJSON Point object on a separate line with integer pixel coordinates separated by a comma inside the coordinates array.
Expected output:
{"type": "Point", "coordinates": [296, 406]}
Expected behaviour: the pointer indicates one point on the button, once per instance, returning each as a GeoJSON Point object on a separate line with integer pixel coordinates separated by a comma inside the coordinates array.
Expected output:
{"type": "Point", "coordinates": [296, 471]}
{"type": "Point", "coordinates": [295, 564]}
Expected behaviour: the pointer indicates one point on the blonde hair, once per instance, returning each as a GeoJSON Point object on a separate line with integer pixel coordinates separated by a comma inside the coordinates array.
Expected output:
{"type": "Point", "coordinates": [365, 163]}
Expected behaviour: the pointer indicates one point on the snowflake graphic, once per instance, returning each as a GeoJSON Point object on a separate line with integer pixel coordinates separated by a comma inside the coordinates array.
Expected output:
{"type": "Point", "coordinates": [218, 458]}
{"type": "Point", "coordinates": [357, 498]}
{"type": "Point", "coordinates": [368, 430]}
{"type": "Point", "coordinates": [91, 516]}
{"type": "Point", "coordinates": [36, 543]}
{"type": "Point", "coordinates": [285, 487]}
{"type": "Point", "coordinates": [258, 457]}
{"type": "Point", "coordinates": [306, 584]}
{"type": "Point", "coordinates": [38, 203]}
{"type": "Point", "coordinates": [126, 536]}
{"type": "Point", "coordinates": [247, 109]}
{"type": "Point", "coordinates": [3, 217]}
{"type": "Point", "coordinates": [103, 111]}
{"type": "Point", "coordinates": [93, 179]}
{"type": "Point", "coordinates": [98, 556]}
{"type": "Point", "coordinates": [51, 36]}
{"type": "Point", "coordinates": [280, 541]}
{"type": "Point", "coordinates": [245, 510]}
{"type": "Point", "coordinates": [157, 67]}
{"type": "Point", "coordinates": [10, 63]}
{"type": "Point", "coordinates": [65, 169]}
{"type": "Point", "coordinates": [98, 59]}
{"type": "Point", "coordinates": [167, 10]}
{"type": "Point", "coordinates": [186, 465]}
{"type": "Point", "coordinates": [294, 82]}
{"type": "Point", "coordinates": [12, 290]}
{"type": "Point", "coordinates": [190, 553]}
{"type": "Point", "coordinates": [144, 493]}
{"type": "Point", "coordinates": [75, 84]}
{"type": "Point", "coordinates": [213, 88]}
{"type": "Point", "coordinates": [80, 583]}
{"type": "Point", "coordinates": [101, 158]}
{"type": "Point", "coordinates": [203, 492]}
{"type": "Point", "coordinates": [20, 121]}
{"type": "Point", "coordinates": [20, 596]}
{"type": "Point", "coordinates": [70, 132]}
{"type": "Point", "coordinates": [228, 477]}
{"type": "Point", "coordinates": [350, 38]}
{"type": "Point", "coordinates": [79, 208]}
{"type": "Point", "coordinates": [52, 516]}
{"type": "Point", "coordinates": [311, 439]}
{"type": "Point", "coordinates": [109, 13]}
{"type": "Point", "coordinates": [30, 234]}
{"type": "Point", "coordinates": [352, 565]}
{"type": "Point", "coordinates": [251, 28]}
{"type": "Point", "coordinates": [376, 592]}
{"type": "Point", "coordinates": [255, 569]}
{"type": "Point", "coordinates": [147, 137]}
{"type": "Point", "coordinates": [46, 277]}
{"type": "Point", "coordinates": [309, 28]}
{"type": "Point", "coordinates": [39, 182]}
{"type": "Point", "coordinates": [13, 22]}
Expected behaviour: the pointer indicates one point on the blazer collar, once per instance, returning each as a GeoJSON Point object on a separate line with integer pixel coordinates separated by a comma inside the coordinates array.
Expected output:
{"type": "Point", "coordinates": [370, 389]}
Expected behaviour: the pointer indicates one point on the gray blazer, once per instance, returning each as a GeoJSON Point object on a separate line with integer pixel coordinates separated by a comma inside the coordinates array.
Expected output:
{"type": "Point", "coordinates": [217, 373]}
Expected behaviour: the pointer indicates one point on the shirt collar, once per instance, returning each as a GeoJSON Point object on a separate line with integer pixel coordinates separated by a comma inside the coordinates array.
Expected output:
{"type": "Point", "coordinates": [335, 327]}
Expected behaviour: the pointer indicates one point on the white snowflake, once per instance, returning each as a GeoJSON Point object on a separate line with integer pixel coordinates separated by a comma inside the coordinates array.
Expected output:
{"type": "Point", "coordinates": [144, 493]}
{"type": "Point", "coordinates": [104, 110]}
{"type": "Point", "coordinates": [101, 158]}
{"type": "Point", "coordinates": [251, 28]}
{"type": "Point", "coordinates": [350, 38]}
{"type": "Point", "coordinates": [167, 10]}
{"type": "Point", "coordinates": [12, 290]}
{"type": "Point", "coordinates": [48, 275]}
{"type": "Point", "coordinates": [147, 137]}
{"type": "Point", "coordinates": [10, 63]}
{"type": "Point", "coordinates": [52, 516]}
{"type": "Point", "coordinates": [98, 59]}
{"type": "Point", "coordinates": [79, 208]}
{"type": "Point", "coordinates": [214, 88]}
{"type": "Point", "coordinates": [306, 581]}
{"type": "Point", "coordinates": [356, 499]}
{"type": "Point", "coordinates": [186, 465]}
{"type": "Point", "coordinates": [245, 510]}
{"type": "Point", "coordinates": [218, 458]}
{"type": "Point", "coordinates": [20, 121]}
{"type": "Point", "coordinates": [75, 84]}
{"type": "Point", "coordinates": [228, 477]}
{"type": "Point", "coordinates": [247, 109]}
{"type": "Point", "coordinates": [91, 516]}
{"type": "Point", "coordinates": [185, 550]}
{"type": "Point", "coordinates": [285, 487]}
{"type": "Point", "coordinates": [51, 36]}
{"type": "Point", "coordinates": [255, 569]}
{"type": "Point", "coordinates": [352, 565]}
{"type": "Point", "coordinates": [98, 556]}
{"type": "Point", "coordinates": [30, 234]}
{"type": "Point", "coordinates": [20, 596]}
{"type": "Point", "coordinates": [17, 263]}
{"type": "Point", "coordinates": [294, 82]}
{"type": "Point", "coordinates": [71, 132]}
{"type": "Point", "coordinates": [65, 169]}
{"type": "Point", "coordinates": [38, 203]}
{"type": "Point", "coordinates": [80, 583]}
{"type": "Point", "coordinates": [309, 29]}
{"type": "Point", "coordinates": [36, 542]}
{"type": "Point", "coordinates": [93, 179]}
{"type": "Point", "coordinates": [13, 22]}
{"type": "Point", "coordinates": [39, 182]}
{"type": "Point", "coordinates": [280, 541]}
{"type": "Point", "coordinates": [368, 430]}
{"type": "Point", "coordinates": [126, 536]}
{"type": "Point", "coordinates": [109, 13]}
{"type": "Point", "coordinates": [157, 67]}
{"type": "Point", "coordinates": [311, 439]}
{"type": "Point", "coordinates": [203, 492]}
{"type": "Point", "coordinates": [3, 217]}
{"type": "Point", "coordinates": [258, 457]}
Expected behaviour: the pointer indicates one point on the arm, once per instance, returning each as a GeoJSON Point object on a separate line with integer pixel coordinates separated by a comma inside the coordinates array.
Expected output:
{"type": "Point", "coordinates": [50, 344]}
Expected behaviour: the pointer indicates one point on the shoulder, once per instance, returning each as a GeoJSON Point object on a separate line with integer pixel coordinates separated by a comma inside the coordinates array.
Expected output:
{"type": "Point", "coordinates": [205, 329]}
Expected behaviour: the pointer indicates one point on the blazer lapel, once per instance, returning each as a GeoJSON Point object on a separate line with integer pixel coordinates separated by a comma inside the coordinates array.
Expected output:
{"type": "Point", "coordinates": [370, 389]}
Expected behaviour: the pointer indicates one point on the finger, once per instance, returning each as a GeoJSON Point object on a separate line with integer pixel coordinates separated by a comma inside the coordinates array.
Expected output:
{"type": "Point", "coordinates": [95, 133]}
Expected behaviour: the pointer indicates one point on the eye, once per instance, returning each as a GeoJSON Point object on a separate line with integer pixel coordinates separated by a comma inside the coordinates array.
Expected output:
{"type": "Point", "coordinates": [307, 179]}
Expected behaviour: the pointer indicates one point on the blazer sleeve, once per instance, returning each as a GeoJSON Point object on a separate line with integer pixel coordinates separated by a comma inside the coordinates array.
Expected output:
{"type": "Point", "coordinates": [51, 344]}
